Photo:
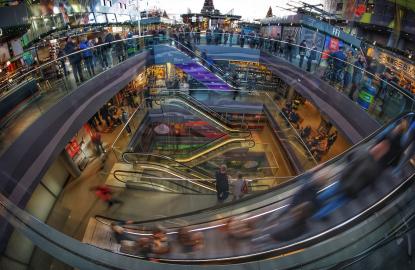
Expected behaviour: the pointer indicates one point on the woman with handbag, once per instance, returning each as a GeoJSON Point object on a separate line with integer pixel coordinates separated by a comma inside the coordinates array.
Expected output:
{"type": "Point", "coordinates": [240, 187]}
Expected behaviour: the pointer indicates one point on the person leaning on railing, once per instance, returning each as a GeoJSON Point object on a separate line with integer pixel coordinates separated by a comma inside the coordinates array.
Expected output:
{"type": "Point", "coordinates": [75, 59]}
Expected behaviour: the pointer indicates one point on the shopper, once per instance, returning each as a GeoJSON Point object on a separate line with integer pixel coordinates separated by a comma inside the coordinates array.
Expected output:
{"type": "Point", "coordinates": [339, 63]}
{"type": "Point", "coordinates": [109, 39]}
{"type": "Point", "coordinates": [96, 140]}
{"type": "Point", "coordinates": [124, 119]}
{"type": "Point", "coordinates": [222, 184]}
{"type": "Point", "coordinates": [87, 56]}
{"type": "Point", "coordinates": [311, 57]}
{"type": "Point", "coordinates": [230, 38]}
{"type": "Point", "coordinates": [105, 114]}
{"type": "Point", "coordinates": [302, 50]}
{"type": "Point", "coordinates": [240, 187]}
{"type": "Point", "coordinates": [358, 70]}
{"type": "Point", "coordinates": [75, 59]}
{"type": "Point", "coordinates": [119, 48]}
{"type": "Point", "coordinates": [242, 38]}
{"type": "Point", "coordinates": [105, 194]}
{"type": "Point", "coordinates": [288, 49]}
{"type": "Point", "coordinates": [101, 53]}
{"type": "Point", "coordinates": [225, 38]}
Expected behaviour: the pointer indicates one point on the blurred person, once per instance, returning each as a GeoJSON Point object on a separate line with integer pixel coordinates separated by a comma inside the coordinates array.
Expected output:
{"type": "Point", "coordinates": [105, 194]}
{"type": "Point", "coordinates": [357, 77]}
{"type": "Point", "coordinates": [306, 132]}
{"type": "Point", "coordinates": [289, 48]}
{"type": "Point", "coordinates": [190, 241]}
{"type": "Point", "coordinates": [240, 227]}
{"type": "Point", "coordinates": [240, 187]}
{"type": "Point", "coordinates": [124, 119]}
{"type": "Point", "coordinates": [87, 56]}
{"type": "Point", "coordinates": [242, 38]}
{"type": "Point", "coordinates": [119, 48]}
{"type": "Point", "coordinates": [311, 57]}
{"type": "Point", "coordinates": [74, 59]}
{"type": "Point", "coordinates": [339, 58]}
{"type": "Point", "coordinates": [109, 39]}
{"type": "Point", "coordinates": [119, 232]}
{"type": "Point", "coordinates": [101, 53]}
{"type": "Point", "coordinates": [302, 51]}
{"type": "Point", "coordinates": [96, 140]}
{"type": "Point", "coordinates": [332, 139]}
{"type": "Point", "coordinates": [160, 244]}
{"type": "Point", "coordinates": [225, 38]}
{"type": "Point", "coordinates": [130, 45]}
{"type": "Point", "coordinates": [105, 114]}
{"type": "Point", "coordinates": [222, 183]}
{"type": "Point", "coordinates": [348, 73]}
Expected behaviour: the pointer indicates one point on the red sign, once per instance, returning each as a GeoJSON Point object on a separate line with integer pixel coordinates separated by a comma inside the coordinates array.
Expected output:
{"type": "Point", "coordinates": [72, 148]}
{"type": "Point", "coordinates": [360, 10]}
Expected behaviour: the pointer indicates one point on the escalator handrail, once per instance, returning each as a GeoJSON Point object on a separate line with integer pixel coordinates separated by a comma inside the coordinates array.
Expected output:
{"type": "Point", "coordinates": [203, 62]}
{"type": "Point", "coordinates": [294, 180]}
{"type": "Point", "coordinates": [215, 118]}
{"type": "Point", "coordinates": [155, 156]}
{"type": "Point", "coordinates": [161, 178]}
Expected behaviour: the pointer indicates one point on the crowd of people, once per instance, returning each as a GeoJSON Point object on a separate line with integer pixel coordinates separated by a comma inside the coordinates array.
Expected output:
{"type": "Point", "coordinates": [96, 53]}
{"type": "Point", "coordinates": [318, 141]}
{"type": "Point", "coordinates": [324, 190]}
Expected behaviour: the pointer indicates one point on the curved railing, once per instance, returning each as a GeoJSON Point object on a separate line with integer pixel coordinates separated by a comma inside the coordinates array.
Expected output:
{"type": "Point", "coordinates": [376, 93]}
{"type": "Point", "coordinates": [59, 245]}
{"type": "Point", "coordinates": [53, 84]}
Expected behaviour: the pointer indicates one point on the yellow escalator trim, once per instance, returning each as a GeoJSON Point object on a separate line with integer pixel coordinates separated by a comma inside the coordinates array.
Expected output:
{"type": "Point", "coordinates": [209, 117]}
{"type": "Point", "coordinates": [214, 147]}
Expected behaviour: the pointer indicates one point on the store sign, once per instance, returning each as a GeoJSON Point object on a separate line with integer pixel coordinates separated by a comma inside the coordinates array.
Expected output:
{"type": "Point", "coordinates": [397, 63]}
{"type": "Point", "coordinates": [73, 148]}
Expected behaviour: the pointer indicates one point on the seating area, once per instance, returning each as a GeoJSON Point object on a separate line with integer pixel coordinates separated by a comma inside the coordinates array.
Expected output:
{"type": "Point", "coordinates": [318, 140]}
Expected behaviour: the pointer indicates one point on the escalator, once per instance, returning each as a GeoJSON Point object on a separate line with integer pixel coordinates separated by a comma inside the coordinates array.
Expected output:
{"type": "Point", "coordinates": [235, 129]}
{"type": "Point", "coordinates": [157, 177]}
{"type": "Point", "coordinates": [203, 69]}
{"type": "Point", "coordinates": [356, 225]}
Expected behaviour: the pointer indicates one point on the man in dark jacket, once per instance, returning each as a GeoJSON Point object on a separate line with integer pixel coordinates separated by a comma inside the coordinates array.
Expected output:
{"type": "Point", "coordinates": [222, 184]}
{"type": "Point", "coordinates": [74, 59]}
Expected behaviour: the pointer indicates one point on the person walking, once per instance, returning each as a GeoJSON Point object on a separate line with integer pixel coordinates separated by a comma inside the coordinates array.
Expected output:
{"type": "Point", "coordinates": [242, 38]}
{"type": "Point", "coordinates": [96, 140]}
{"type": "Point", "coordinates": [124, 119]}
{"type": "Point", "coordinates": [75, 59]}
{"type": "Point", "coordinates": [87, 56]}
{"type": "Point", "coordinates": [225, 38]}
{"type": "Point", "coordinates": [311, 57]}
{"type": "Point", "coordinates": [222, 184]}
{"type": "Point", "coordinates": [101, 53]}
{"type": "Point", "coordinates": [302, 51]}
{"type": "Point", "coordinates": [109, 38]}
{"type": "Point", "coordinates": [288, 49]}
{"type": "Point", "coordinates": [119, 48]}
{"type": "Point", "coordinates": [105, 194]}
{"type": "Point", "coordinates": [240, 187]}
{"type": "Point", "coordinates": [358, 70]}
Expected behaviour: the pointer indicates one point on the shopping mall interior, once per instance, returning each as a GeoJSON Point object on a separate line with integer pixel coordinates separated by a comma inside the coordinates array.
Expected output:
{"type": "Point", "coordinates": [133, 138]}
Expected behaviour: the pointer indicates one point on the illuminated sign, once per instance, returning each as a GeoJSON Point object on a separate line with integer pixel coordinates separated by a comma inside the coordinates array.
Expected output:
{"type": "Point", "coordinates": [397, 64]}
